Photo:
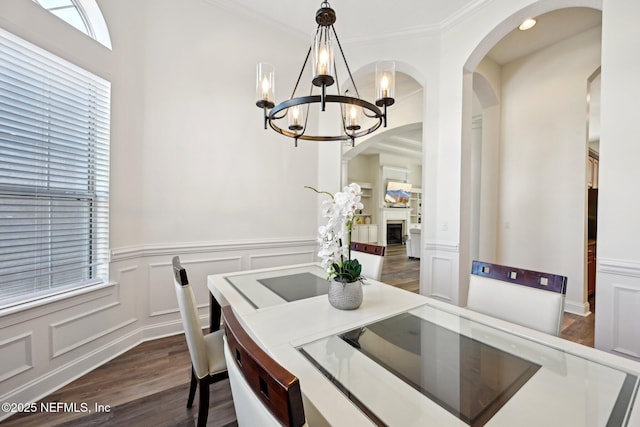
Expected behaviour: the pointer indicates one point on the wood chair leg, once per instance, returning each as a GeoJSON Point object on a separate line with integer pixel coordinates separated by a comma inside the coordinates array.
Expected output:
{"type": "Point", "coordinates": [192, 388]}
{"type": "Point", "coordinates": [203, 405]}
{"type": "Point", "coordinates": [215, 313]}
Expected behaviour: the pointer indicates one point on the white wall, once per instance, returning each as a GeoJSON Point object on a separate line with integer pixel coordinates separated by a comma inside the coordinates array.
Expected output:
{"type": "Point", "coordinates": [489, 158]}
{"type": "Point", "coordinates": [414, 169]}
{"type": "Point", "coordinates": [192, 174]}
{"type": "Point", "coordinates": [618, 255]}
{"type": "Point", "coordinates": [543, 152]}
{"type": "Point", "coordinates": [364, 168]}
{"type": "Point", "coordinates": [208, 162]}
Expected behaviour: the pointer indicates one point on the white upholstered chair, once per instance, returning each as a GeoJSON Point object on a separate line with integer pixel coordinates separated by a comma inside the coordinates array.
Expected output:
{"type": "Point", "coordinates": [525, 297]}
{"type": "Point", "coordinates": [206, 351]}
{"type": "Point", "coordinates": [371, 257]}
{"type": "Point", "coordinates": [264, 393]}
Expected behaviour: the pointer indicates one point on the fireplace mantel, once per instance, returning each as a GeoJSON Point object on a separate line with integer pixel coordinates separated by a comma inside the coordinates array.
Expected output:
{"type": "Point", "coordinates": [394, 215]}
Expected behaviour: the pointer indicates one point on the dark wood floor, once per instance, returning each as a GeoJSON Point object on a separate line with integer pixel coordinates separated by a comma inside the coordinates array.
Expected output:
{"type": "Point", "coordinates": [399, 270]}
{"type": "Point", "coordinates": [148, 385]}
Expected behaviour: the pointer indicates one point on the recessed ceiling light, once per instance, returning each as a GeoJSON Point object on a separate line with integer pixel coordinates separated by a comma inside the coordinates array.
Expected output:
{"type": "Point", "coordinates": [527, 24]}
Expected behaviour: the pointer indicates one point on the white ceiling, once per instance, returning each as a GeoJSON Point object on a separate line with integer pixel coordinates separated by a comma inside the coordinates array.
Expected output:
{"type": "Point", "coordinates": [404, 141]}
{"type": "Point", "coordinates": [550, 28]}
{"type": "Point", "coordinates": [375, 19]}
{"type": "Point", "coordinates": [359, 19]}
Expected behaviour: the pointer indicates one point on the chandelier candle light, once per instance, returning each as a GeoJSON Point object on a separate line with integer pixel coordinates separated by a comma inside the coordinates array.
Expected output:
{"type": "Point", "coordinates": [325, 75]}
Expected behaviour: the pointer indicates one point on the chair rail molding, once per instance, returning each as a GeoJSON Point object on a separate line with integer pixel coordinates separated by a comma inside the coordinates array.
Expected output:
{"type": "Point", "coordinates": [128, 252]}
{"type": "Point", "coordinates": [620, 267]}
{"type": "Point", "coordinates": [441, 245]}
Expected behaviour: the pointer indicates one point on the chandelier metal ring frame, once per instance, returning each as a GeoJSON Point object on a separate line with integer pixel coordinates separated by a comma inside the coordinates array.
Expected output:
{"type": "Point", "coordinates": [272, 115]}
{"type": "Point", "coordinates": [324, 73]}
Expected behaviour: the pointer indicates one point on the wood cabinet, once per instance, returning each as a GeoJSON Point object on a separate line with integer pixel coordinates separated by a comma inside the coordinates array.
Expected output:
{"type": "Point", "coordinates": [592, 169]}
{"type": "Point", "coordinates": [365, 233]}
{"type": "Point", "coordinates": [591, 268]}
{"type": "Point", "coordinates": [592, 211]}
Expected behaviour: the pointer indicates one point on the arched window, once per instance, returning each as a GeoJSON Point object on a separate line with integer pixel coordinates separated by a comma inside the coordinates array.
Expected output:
{"type": "Point", "coordinates": [85, 15]}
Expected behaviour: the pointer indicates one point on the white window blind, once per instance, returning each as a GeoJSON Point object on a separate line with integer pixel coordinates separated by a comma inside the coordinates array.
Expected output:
{"type": "Point", "coordinates": [54, 173]}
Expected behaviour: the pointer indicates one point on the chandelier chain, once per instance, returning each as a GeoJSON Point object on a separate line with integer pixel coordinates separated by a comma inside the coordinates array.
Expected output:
{"type": "Point", "coordinates": [345, 62]}
{"type": "Point", "coordinates": [304, 65]}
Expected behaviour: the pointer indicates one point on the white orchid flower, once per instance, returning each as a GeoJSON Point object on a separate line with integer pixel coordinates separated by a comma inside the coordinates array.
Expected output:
{"type": "Point", "coordinates": [334, 237]}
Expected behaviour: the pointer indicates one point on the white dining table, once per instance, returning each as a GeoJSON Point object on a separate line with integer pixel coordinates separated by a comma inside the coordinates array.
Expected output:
{"type": "Point", "coordinates": [403, 359]}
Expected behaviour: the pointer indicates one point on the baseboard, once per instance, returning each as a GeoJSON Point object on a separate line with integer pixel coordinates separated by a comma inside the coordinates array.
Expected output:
{"type": "Point", "coordinates": [167, 329]}
{"type": "Point", "coordinates": [575, 308]}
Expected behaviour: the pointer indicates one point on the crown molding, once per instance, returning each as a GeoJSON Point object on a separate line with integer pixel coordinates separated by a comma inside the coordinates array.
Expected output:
{"type": "Point", "coordinates": [432, 30]}
{"type": "Point", "coordinates": [405, 34]}
{"type": "Point", "coordinates": [456, 17]}
{"type": "Point", "coordinates": [239, 9]}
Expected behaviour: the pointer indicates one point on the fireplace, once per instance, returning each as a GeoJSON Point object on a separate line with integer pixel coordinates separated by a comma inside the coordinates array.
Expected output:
{"type": "Point", "coordinates": [395, 232]}
{"type": "Point", "coordinates": [394, 225]}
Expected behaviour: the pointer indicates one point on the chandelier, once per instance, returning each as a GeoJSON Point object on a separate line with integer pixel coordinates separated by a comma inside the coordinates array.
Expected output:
{"type": "Point", "coordinates": [357, 117]}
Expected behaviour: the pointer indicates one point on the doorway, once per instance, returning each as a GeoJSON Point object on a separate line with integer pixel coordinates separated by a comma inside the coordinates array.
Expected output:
{"type": "Point", "coordinates": [593, 166]}
{"type": "Point", "coordinates": [533, 202]}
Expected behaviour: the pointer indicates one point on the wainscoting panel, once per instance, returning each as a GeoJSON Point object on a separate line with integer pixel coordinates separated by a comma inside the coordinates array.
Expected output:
{"type": "Point", "coordinates": [62, 303]}
{"type": "Point", "coordinates": [162, 295]}
{"type": "Point", "coordinates": [16, 355]}
{"type": "Point", "coordinates": [618, 307]}
{"type": "Point", "coordinates": [625, 327]}
{"type": "Point", "coordinates": [278, 259]}
{"type": "Point", "coordinates": [46, 346]}
{"type": "Point", "coordinates": [440, 274]}
{"type": "Point", "coordinates": [77, 331]}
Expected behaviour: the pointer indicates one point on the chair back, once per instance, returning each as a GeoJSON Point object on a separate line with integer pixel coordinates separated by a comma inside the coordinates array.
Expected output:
{"type": "Point", "coordinates": [264, 393]}
{"type": "Point", "coordinates": [371, 257]}
{"type": "Point", "coordinates": [190, 320]}
{"type": "Point", "coordinates": [528, 298]}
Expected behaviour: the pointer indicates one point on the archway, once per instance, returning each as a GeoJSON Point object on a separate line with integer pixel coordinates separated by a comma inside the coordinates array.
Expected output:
{"type": "Point", "coordinates": [533, 185]}
{"type": "Point", "coordinates": [392, 154]}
